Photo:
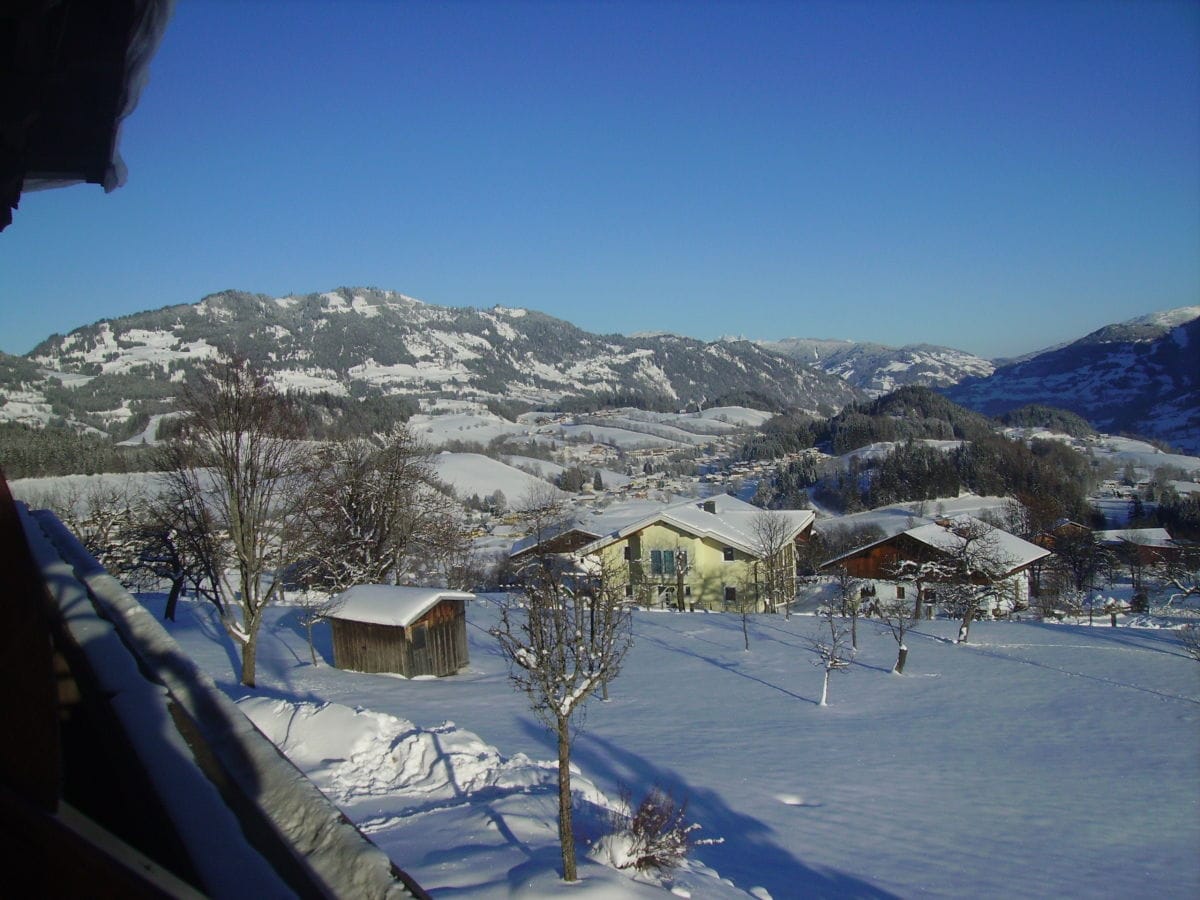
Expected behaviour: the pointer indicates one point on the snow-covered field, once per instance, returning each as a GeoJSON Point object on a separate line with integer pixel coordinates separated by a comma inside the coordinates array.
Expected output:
{"type": "Point", "coordinates": [474, 473]}
{"type": "Point", "coordinates": [1039, 761]}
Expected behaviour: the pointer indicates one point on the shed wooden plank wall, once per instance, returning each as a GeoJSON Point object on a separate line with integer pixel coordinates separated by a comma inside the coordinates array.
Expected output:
{"type": "Point", "coordinates": [435, 645]}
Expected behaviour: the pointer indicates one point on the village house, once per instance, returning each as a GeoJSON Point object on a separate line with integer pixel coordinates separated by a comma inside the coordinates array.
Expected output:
{"type": "Point", "coordinates": [407, 630]}
{"type": "Point", "coordinates": [704, 554]}
{"type": "Point", "coordinates": [1004, 562]}
{"type": "Point", "coordinates": [1147, 545]}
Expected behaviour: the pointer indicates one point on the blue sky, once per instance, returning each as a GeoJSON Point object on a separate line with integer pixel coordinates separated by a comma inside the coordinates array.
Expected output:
{"type": "Point", "coordinates": [993, 176]}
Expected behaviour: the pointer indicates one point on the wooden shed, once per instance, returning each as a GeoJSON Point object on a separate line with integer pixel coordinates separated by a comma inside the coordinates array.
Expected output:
{"type": "Point", "coordinates": [407, 630]}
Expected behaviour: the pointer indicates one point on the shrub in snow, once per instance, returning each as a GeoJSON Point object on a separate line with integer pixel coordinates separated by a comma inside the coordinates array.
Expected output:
{"type": "Point", "coordinates": [655, 837]}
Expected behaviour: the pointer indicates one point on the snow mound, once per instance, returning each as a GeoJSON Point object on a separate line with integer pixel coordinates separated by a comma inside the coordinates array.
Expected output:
{"type": "Point", "coordinates": [359, 753]}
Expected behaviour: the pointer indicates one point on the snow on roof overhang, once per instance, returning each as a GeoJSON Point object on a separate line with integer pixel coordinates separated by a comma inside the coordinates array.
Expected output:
{"type": "Point", "coordinates": [388, 604]}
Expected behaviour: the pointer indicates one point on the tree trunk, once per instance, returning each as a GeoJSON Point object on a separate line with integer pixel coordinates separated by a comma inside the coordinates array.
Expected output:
{"type": "Point", "coordinates": [824, 689]}
{"type": "Point", "coordinates": [964, 630]}
{"type": "Point", "coordinates": [854, 631]}
{"type": "Point", "coordinates": [249, 649]}
{"type": "Point", "coordinates": [919, 603]}
{"type": "Point", "coordinates": [312, 651]}
{"type": "Point", "coordinates": [1113, 618]}
{"type": "Point", "coordinates": [173, 598]}
{"type": "Point", "coordinates": [901, 658]}
{"type": "Point", "coordinates": [745, 630]}
{"type": "Point", "coordinates": [566, 828]}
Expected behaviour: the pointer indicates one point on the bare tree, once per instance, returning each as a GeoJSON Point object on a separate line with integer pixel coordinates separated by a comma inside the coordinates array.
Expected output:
{"type": "Point", "coordinates": [377, 513]}
{"type": "Point", "coordinates": [315, 607]}
{"type": "Point", "coordinates": [1078, 558]}
{"type": "Point", "coordinates": [850, 597]}
{"type": "Point", "coordinates": [898, 617]}
{"type": "Point", "coordinates": [965, 565]}
{"type": "Point", "coordinates": [742, 598]}
{"type": "Point", "coordinates": [771, 530]}
{"type": "Point", "coordinates": [563, 638]}
{"type": "Point", "coordinates": [829, 644]}
{"type": "Point", "coordinates": [235, 472]}
{"type": "Point", "coordinates": [919, 574]}
{"type": "Point", "coordinates": [977, 563]}
{"type": "Point", "coordinates": [1178, 573]}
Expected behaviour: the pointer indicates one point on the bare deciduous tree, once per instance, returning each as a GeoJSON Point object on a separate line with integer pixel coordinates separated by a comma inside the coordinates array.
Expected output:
{"type": "Point", "coordinates": [850, 599]}
{"type": "Point", "coordinates": [563, 638]}
{"type": "Point", "coordinates": [377, 513]}
{"type": "Point", "coordinates": [898, 616]}
{"type": "Point", "coordinates": [315, 607]}
{"type": "Point", "coordinates": [1178, 573]}
{"type": "Point", "coordinates": [771, 531]}
{"type": "Point", "coordinates": [829, 644]}
{"type": "Point", "coordinates": [976, 563]}
{"type": "Point", "coordinates": [235, 472]}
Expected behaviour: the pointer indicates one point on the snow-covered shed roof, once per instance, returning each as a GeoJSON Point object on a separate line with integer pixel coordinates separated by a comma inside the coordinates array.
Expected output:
{"type": "Point", "coordinates": [722, 517]}
{"type": "Point", "coordinates": [390, 604]}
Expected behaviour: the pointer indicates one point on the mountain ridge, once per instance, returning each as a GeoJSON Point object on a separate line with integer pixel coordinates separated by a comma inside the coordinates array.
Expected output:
{"type": "Point", "coordinates": [1141, 376]}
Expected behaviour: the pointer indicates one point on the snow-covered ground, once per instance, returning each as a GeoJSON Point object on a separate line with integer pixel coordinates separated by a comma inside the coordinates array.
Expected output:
{"type": "Point", "coordinates": [474, 473]}
{"type": "Point", "coordinates": [1039, 761]}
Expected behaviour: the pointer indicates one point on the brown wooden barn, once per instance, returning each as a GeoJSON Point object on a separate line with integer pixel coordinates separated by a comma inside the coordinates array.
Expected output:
{"type": "Point", "coordinates": [408, 630]}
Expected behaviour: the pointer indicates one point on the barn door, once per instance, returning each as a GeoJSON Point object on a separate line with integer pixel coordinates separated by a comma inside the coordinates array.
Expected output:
{"type": "Point", "coordinates": [421, 664]}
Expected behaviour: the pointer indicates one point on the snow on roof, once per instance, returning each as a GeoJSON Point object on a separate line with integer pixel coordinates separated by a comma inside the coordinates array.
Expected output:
{"type": "Point", "coordinates": [721, 517]}
{"type": "Point", "coordinates": [1013, 551]}
{"type": "Point", "coordinates": [1149, 537]}
{"type": "Point", "coordinates": [389, 604]}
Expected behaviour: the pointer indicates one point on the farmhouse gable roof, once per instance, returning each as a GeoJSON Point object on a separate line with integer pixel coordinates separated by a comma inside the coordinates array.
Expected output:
{"type": "Point", "coordinates": [943, 537]}
{"type": "Point", "coordinates": [721, 518]}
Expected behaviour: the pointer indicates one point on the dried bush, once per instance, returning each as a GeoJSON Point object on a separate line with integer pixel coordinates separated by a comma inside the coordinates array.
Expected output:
{"type": "Point", "coordinates": [655, 836]}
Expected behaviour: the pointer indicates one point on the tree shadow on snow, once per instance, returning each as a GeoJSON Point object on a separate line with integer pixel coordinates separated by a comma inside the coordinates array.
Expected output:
{"type": "Point", "coordinates": [1167, 639]}
{"type": "Point", "coordinates": [322, 637]}
{"type": "Point", "coordinates": [730, 666]}
{"type": "Point", "coordinates": [747, 854]}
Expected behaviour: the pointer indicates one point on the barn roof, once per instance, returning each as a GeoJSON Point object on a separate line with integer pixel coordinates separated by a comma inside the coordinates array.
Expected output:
{"type": "Point", "coordinates": [1149, 537]}
{"type": "Point", "coordinates": [389, 604]}
{"type": "Point", "coordinates": [1014, 552]}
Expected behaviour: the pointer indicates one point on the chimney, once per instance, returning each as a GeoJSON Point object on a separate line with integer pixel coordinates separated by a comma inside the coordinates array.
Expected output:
{"type": "Point", "coordinates": [710, 506]}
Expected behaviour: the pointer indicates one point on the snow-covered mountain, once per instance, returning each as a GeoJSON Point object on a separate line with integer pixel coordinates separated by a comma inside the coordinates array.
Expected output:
{"type": "Point", "coordinates": [877, 369]}
{"type": "Point", "coordinates": [356, 342]}
{"type": "Point", "coordinates": [1140, 376]}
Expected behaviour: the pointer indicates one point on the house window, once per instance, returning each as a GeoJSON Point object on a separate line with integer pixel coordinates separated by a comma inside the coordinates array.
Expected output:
{"type": "Point", "coordinates": [628, 552]}
{"type": "Point", "coordinates": [687, 590]}
{"type": "Point", "coordinates": [728, 554]}
{"type": "Point", "coordinates": [899, 592]}
{"type": "Point", "coordinates": [662, 562]}
{"type": "Point", "coordinates": [730, 596]}
{"type": "Point", "coordinates": [629, 590]}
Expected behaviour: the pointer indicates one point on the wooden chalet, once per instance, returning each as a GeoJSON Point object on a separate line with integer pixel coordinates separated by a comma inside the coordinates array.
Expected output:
{"type": "Point", "coordinates": [407, 630]}
{"type": "Point", "coordinates": [939, 541]}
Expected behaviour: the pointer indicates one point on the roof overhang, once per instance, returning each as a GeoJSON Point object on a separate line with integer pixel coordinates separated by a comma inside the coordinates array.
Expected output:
{"type": "Point", "coordinates": [74, 71]}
